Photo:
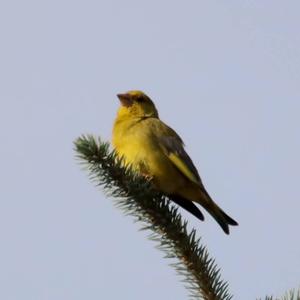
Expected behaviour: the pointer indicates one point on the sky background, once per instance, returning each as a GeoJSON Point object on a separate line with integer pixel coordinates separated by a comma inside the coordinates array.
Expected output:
{"type": "Point", "coordinates": [224, 74]}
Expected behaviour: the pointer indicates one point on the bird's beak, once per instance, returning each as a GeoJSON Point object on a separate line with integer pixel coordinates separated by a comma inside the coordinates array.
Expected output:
{"type": "Point", "coordinates": [125, 99]}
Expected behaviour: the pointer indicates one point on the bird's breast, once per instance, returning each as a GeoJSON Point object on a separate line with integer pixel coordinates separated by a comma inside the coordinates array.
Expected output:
{"type": "Point", "coordinates": [140, 148]}
{"type": "Point", "coordinates": [135, 146]}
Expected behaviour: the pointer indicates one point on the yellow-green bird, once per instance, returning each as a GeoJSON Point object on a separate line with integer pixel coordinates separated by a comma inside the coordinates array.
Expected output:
{"type": "Point", "coordinates": [155, 150]}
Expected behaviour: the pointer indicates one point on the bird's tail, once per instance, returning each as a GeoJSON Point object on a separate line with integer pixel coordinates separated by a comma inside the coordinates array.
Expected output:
{"type": "Point", "coordinates": [216, 212]}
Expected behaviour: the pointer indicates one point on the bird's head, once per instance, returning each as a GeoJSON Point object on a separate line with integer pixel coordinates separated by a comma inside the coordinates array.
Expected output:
{"type": "Point", "coordinates": [137, 104]}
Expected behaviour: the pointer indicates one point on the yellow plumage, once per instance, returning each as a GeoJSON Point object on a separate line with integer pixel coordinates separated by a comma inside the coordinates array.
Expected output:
{"type": "Point", "coordinates": [155, 150]}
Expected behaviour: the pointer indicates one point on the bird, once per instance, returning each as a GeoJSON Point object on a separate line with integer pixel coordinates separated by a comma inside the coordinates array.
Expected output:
{"type": "Point", "coordinates": [154, 150]}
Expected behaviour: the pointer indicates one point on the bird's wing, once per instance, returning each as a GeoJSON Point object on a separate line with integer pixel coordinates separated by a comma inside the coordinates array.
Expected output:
{"type": "Point", "coordinates": [173, 147]}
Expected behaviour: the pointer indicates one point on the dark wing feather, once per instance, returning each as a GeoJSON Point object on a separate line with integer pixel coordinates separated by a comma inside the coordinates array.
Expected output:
{"type": "Point", "coordinates": [187, 205]}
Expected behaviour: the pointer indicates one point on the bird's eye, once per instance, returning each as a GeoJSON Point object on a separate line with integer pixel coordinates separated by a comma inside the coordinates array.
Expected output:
{"type": "Point", "coordinates": [139, 98]}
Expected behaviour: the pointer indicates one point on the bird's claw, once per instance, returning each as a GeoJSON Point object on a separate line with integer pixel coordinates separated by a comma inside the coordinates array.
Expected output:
{"type": "Point", "coordinates": [147, 177]}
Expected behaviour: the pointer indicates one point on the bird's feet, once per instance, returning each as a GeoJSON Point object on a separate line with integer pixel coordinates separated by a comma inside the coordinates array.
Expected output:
{"type": "Point", "coordinates": [148, 177]}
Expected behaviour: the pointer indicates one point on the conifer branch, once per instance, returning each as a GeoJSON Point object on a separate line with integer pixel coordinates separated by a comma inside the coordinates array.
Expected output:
{"type": "Point", "coordinates": [290, 295]}
{"type": "Point", "coordinates": [136, 197]}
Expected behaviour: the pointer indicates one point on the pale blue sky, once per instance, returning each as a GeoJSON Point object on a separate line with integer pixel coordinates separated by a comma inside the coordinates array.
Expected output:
{"type": "Point", "coordinates": [224, 74]}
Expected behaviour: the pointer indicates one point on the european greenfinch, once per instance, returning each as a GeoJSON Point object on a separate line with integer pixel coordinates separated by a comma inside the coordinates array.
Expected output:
{"type": "Point", "coordinates": [155, 150]}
